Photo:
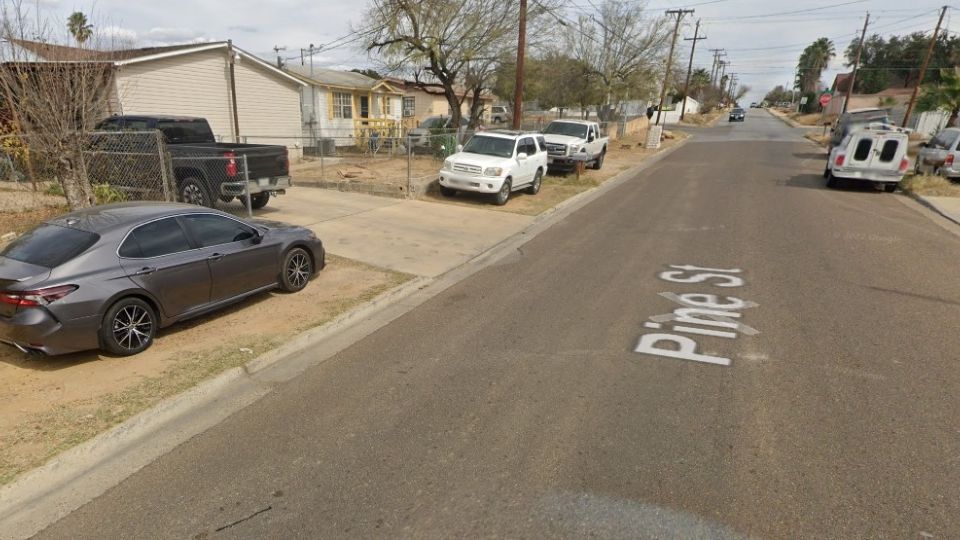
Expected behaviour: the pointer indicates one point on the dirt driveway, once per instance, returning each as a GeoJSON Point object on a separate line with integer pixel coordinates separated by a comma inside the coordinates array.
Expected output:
{"type": "Point", "coordinates": [50, 404]}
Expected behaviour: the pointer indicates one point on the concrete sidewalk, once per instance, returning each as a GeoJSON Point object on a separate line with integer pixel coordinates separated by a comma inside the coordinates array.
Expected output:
{"type": "Point", "coordinates": [948, 207]}
{"type": "Point", "coordinates": [414, 237]}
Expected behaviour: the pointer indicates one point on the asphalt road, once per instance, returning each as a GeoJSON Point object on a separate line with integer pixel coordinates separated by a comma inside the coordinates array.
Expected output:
{"type": "Point", "coordinates": [513, 404]}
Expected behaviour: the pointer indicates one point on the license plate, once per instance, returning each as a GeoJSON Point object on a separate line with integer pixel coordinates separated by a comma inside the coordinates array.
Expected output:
{"type": "Point", "coordinates": [263, 182]}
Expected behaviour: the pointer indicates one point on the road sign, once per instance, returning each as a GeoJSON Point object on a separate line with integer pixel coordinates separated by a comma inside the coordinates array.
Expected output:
{"type": "Point", "coordinates": [825, 98]}
{"type": "Point", "coordinates": [803, 100]}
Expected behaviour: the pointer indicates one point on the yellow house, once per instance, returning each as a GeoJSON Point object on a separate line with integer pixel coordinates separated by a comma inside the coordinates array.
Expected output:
{"type": "Point", "coordinates": [347, 107]}
{"type": "Point", "coordinates": [420, 104]}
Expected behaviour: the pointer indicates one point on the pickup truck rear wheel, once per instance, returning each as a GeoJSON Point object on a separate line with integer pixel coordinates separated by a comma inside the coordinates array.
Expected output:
{"type": "Point", "coordinates": [257, 200]}
{"type": "Point", "coordinates": [192, 191]}
{"type": "Point", "coordinates": [597, 163]}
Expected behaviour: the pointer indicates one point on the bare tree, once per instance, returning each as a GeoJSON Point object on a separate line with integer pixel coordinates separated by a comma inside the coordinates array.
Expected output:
{"type": "Point", "coordinates": [622, 47]}
{"type": "Point", "coordinates": [55, 94]}
{"type": "Point", "coordinates": [443, 47]}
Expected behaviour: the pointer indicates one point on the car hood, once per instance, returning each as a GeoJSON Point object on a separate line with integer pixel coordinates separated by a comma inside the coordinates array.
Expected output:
{"type": "Point", "coordinates": [18, 275]}
{"type": "Point", "coordinates": [275, 225]}
{"type": "Point", "coordinates": [480, 160]}
{"type": "Point", "coordinates": [563, 139]}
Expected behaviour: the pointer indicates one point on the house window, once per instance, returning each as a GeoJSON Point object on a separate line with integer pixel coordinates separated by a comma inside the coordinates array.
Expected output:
{"type": "Point", "coordinates": [387, 109]}
{"type": "Point", "coordinates": [409, 106]}
{"type": "Point", "coordinates": [342, 105]}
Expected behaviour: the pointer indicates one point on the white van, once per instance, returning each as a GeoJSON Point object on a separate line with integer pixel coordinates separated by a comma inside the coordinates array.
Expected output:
{"type": "Point", "coordinates": [876, 153]}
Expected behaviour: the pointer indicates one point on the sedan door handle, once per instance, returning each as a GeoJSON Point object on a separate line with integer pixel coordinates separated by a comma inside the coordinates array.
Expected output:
{"type": "Point", "coordinates": [145, 271]}
{"type": "Point", "coordinates": [215, 257]}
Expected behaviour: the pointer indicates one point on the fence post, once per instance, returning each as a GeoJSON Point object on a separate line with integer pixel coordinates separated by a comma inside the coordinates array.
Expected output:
{"type": "Point", "coordinates": [165, 177]}
{"type": "Point", "coordinates": [323, 175]}
{"type": "Point", "coordinates": [409, 167]}
{"type": "Point", "coordinates": [246, 187]}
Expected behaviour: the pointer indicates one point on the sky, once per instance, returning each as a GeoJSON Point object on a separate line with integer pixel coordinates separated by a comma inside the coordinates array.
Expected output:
{"type": "Point", "coordinates": [762, 38]}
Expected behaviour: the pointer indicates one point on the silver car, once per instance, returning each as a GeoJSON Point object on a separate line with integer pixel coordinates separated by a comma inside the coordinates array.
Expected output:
{"type": "Point", "coordinates": [940, 156]}
{"type": "Point", "coordinates": [109, 277]}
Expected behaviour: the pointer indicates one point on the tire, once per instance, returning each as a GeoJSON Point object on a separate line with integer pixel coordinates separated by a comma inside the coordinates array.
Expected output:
{"type": "Point", "coordinates": [128, 327]}
{"type": "Point", "coordinates": [597, 163]}
{"type": "Point", "coordinates": [832, 181]}
{"type": "Point", "coordinates": [826, 172]}
{"type": "Point", "coordinates": [890, 188]}
{"type": "Point", "coordinates": [447, 192]}
{"type": "Point", "coordinates": [225, 198]}
{"type": "Point", "coordinates": [257, 200]}
{"type": "Point", "coordinates": [503, 195]}
{"type": "Point", "coordinates": [296, 271]}
{"type": "Point", "coordinates": [537, 182]}
{"type": "Point", "coordinates": [192, 191]}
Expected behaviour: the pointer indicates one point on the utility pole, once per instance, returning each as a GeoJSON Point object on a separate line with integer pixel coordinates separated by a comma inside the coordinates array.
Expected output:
{"type": "Point", "coordinates": [518, 86]}
{"type": "Point", "coordinates": [693, 48]}
{"type": "Point", "coordinates": [923, 68]}
{"type": "Point", "coordinates": [673, 43]}
{"type": "Point", "coordinates": [277, 49]}
{"type": "Point", "coordinates": [856, 65]}
{"type": "Point", "coordinates": [713, 68]}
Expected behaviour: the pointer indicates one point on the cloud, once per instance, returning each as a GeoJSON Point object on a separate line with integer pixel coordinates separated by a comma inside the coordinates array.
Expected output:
{"type": "Point", "coordinates": [116, 33]}
{"type": "Point", "coordinates": [244, 28]}
{"type": "Point", "coordinates": [168, 36]}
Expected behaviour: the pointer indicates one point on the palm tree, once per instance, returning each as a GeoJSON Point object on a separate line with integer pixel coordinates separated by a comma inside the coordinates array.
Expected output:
{"type": "Point", "coordinates": [814, 59]}
{"type": "Point", "coordinates": [79, 27]}
{"type": "Point", "coordinates": [944, 95]}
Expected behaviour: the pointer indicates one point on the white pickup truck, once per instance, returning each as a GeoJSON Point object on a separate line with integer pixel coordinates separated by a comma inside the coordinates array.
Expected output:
{"type": "Point", "coordinates": [570, 141]}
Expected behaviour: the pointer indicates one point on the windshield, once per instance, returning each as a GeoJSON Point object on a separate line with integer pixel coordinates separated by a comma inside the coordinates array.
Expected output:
{"type": "Point", "coordinates": [490, 146]}
{"type": "Point", "coordinates": [50, 245]}
{"type": "Point", "coordinates": [738, 110]}
{"type": "Point", "coordinates": [566, 128]}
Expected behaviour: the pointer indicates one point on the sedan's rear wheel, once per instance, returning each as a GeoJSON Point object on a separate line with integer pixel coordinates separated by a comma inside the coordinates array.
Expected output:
{"type": "Point", "coordinates": [128, 327]}
{"type": "Point", "coordinates": [297, 269]}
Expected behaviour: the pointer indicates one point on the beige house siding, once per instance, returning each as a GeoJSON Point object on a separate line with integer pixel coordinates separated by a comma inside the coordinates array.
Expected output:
{"type": "Point", "coordinates": [342, 130]}
{"type": "Point", "coordinates": [192, 85]}
{"type": "Point", "coordinates": [268, 108]}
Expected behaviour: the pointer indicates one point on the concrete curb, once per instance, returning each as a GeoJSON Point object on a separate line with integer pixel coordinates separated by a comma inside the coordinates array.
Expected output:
{"type": "Point", "coordinates": [46, 494]}
{"type": "Point", "coordinates": [932, 206]}
{"type": "Point", "coordinates": [788, 121]}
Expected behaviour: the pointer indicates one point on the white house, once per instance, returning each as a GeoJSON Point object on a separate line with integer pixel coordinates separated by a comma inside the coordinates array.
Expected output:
{"type": "Point", "coordinates": [347, 107]}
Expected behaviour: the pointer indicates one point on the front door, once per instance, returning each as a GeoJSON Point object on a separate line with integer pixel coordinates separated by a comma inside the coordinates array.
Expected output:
{"type": "Point", "coordinates": [364, 107]}
{"type": "Point", "coordinates": [238, 262]}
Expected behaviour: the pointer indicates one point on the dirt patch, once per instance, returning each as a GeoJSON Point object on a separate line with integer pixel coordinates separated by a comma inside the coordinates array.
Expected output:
{"type": "Point", "coordinates": [704, 119]}
{"type": "Point", "coordinates": [50, 404]}
{"type": "Point", "coordinates": [622, 155]}
{"type": "Point", "coordinates": [365, 169]}
{"type": "Point", "coordinates": [818, 138]}
{"type": "Point", "coordinates": [815, 119]}
{"type": "Point", "coordinates": [930, 186]}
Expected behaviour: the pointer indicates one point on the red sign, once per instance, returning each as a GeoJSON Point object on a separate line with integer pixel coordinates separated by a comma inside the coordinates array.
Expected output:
{"type": "Point", "coordinates": [825, 98]}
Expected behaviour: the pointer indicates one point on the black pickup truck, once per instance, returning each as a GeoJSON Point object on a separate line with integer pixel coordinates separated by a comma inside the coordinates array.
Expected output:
{"type": "Point", "coordinates": [207, 170]}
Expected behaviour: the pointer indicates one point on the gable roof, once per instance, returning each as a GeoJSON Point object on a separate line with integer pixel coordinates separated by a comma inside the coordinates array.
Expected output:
{"type": "Point", "coordinates": [340, 79]}
{"type": "Point", "coordinates": [54, 53]}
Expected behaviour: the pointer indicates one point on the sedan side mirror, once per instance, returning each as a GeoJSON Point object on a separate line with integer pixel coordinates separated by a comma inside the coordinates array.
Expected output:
{"type": "Point", "coordinates": [257, 237]}
{"type": "Point", "coordinates": [522, 156]}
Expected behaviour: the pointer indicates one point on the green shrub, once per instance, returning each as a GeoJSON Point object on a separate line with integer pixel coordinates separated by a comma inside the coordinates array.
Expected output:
{"type": "Point", "coordinates": [106, 194]}
{"type": "Point", "coordinates": [55, 190]}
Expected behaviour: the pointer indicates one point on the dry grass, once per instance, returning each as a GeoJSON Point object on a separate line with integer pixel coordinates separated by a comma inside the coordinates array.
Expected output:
{"type": "Point", "coordinates": [818, 138]}
{"type": "Point", "coordinates": [23, 220]}
{"type": "Point", "coordinates": [930, 186]}
{"type": "Point", "coordinates": [815, 119]}
{"type": "Point", "coordinates": [61, 424]}
{"type": "Point", "coordinates": [704, 119]}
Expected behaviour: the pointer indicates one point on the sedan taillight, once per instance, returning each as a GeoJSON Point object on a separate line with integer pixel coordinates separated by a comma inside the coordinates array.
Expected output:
{"type": "Point", "coordinates": [39, 297]}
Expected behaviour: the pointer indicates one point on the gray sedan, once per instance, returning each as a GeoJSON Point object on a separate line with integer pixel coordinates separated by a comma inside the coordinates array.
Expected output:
{"type": "Point", "coordinates": [109, 277]}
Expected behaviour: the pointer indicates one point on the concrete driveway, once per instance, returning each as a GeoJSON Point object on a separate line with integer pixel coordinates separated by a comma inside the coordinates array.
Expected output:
{"type": "Point", "coordinates": [415, 237]}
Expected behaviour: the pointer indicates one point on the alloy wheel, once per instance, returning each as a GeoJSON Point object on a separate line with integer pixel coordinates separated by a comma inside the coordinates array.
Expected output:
{"type": "Point", "coordinates": [132, 327]}
{"type": "Point", "coordinates": [191, 194]}
{"type": "Point", "coordinates": [298, 270]}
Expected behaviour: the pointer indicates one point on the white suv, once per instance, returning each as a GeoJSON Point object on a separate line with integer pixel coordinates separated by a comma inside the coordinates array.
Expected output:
{"type": "Point", "coordinates": [496, 162]}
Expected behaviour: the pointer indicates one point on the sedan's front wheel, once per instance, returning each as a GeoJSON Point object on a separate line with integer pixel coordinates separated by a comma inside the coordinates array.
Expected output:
{"type": "Point", "coordinates": [297, 269]}
{"type": "Point", "coordinates": [128, 327]}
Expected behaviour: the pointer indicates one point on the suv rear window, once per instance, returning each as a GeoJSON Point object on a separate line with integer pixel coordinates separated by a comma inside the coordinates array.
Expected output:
{"type": "Point", "coordinates": [50, 245]}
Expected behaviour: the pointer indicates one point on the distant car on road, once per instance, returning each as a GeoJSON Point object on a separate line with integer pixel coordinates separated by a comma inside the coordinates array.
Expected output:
{"type": "Point", "coordinates": [856, 119]}
{"type": "Point", "coordinates": [498, 162]}
{"type": "Point", "coordinates": [109, 277]}
{"type": "Point", "coordinates": [754, 105]}
{"type": "Point", "coordinates": [737, 115]}
{"type": "Point", "coordinates": [875, 153]}
{"type": "Point", "coordinates": [940, 156]}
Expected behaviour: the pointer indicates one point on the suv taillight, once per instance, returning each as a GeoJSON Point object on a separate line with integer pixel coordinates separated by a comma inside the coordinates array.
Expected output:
{"type": "Point", "coordinates": [839, 161]}
{"type": "Point", "coordinates": [949, 160]}
{"type": "Point", "coordinates": [231, 163]}
{"type": "Point", "coordinates": [905, 163]}
{"type": "Point", "coordinates": [39, 297]}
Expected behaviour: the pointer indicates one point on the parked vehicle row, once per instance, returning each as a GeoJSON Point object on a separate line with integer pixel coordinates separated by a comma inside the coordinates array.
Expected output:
{"type": "Point", "coordinates": [500, 162]}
